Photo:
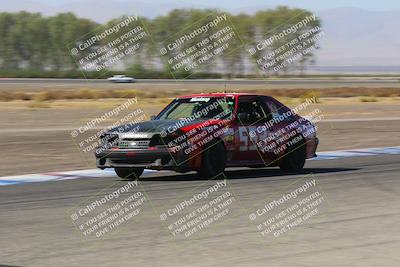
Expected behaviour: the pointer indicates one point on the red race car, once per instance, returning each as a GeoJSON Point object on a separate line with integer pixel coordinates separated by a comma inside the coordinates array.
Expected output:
{"type": "Point", "coordinates": [207, 133]}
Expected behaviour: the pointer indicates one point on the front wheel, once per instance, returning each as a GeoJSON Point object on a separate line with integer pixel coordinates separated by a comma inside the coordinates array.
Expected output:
{"type": "Point", "coordinates": [213, 160]}
{"type": "Point", "coordinates": [295, 159]}
{"type": "Point", "coordinates": [129, 173]}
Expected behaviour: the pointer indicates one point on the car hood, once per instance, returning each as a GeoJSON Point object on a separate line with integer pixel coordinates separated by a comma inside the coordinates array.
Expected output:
{"type": "Point", "coordinates": [147, 129]}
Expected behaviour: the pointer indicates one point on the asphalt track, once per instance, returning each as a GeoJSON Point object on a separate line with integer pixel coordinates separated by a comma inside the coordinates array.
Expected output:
{"type": "Point", "coordinates": [5, 83]}
{"type": "Point", "coordinates": [359, 227]}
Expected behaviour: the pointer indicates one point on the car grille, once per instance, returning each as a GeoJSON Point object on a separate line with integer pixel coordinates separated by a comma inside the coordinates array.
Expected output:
{"type": "Point", "coordinates": [139, 144]}
{"type": "Point", "coordinates": [109, 140]}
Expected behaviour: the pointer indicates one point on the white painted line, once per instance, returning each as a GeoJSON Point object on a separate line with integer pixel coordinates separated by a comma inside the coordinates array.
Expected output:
{"type": "Point", "coordinates": [59, 176]}
{"type": "Point", "coordinates": [395, 150]}
{"type": "Point", "coordinates": [109, 173]}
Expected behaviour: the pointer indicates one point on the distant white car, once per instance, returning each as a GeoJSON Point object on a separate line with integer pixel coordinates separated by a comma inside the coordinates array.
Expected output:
{"type": "Point", "coordinates": [121, 79]}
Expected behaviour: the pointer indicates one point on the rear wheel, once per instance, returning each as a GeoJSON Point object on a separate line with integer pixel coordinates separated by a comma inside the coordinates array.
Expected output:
{"type": "Point", "coordinates": [213, 160]}
{"type": "Point", "coordinates": [129, 173]}
{"type": "Point", "coordinates": [295, 158]}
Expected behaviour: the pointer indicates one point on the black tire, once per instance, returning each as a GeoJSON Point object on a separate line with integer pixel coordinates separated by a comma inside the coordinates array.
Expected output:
{"type": "Point", "coordinates": [129, 173]}
{"type": "Point", "coordinates": [213, 160]}
{"type": "Point", "coordinates": [295, 158]}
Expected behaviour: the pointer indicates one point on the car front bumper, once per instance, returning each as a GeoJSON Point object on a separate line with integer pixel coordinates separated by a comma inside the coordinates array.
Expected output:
{"type": "Point", "coordinates": [154, 158]}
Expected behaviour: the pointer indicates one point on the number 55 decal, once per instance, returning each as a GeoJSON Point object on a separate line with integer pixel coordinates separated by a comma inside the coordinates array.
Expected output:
{"type": "Point", "coordinates": [247, 143]}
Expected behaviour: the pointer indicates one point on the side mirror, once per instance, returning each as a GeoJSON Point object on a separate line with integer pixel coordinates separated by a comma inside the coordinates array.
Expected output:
{"type": "Point", "coordinates": [153, 117]}
{"type": "Point", "coordinates": [243, 117]}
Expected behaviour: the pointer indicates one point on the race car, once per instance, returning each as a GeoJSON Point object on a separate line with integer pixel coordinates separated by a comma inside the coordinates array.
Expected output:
{"type": "Point", "coordinates": [207, 133]}
{"type": "Point", "coordinates": [121, 79]}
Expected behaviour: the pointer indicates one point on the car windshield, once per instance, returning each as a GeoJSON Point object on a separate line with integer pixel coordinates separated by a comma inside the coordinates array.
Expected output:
{"type": "Point", "coordinates": [198, 108]}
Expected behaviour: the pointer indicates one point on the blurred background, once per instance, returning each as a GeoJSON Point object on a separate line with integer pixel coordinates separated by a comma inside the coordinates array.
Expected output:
{"type": "Point", "coordinates": [54, 80]}
{"type": "Point", "coordinates": [361, 38]}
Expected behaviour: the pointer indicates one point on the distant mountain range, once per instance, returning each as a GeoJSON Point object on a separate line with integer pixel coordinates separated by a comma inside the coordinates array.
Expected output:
{"type": "Point", "coordinates": [356, 37]}
{"type": "Point", "coordinates": [353, 37]}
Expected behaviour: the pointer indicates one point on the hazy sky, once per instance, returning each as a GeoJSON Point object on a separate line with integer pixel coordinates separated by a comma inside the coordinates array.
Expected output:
{"type": "Point", "coordinates": [309, 4]}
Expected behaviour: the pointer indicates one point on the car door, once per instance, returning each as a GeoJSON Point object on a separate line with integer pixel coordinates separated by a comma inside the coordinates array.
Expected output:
{"type": "Point", "coordinates": [276, 130]}
{"type": "Point", "coordinates": [246, 136]}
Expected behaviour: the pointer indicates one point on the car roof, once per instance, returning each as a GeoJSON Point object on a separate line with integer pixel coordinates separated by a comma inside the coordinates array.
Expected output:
{"type": "Point", "coordinates": [218, 95]}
